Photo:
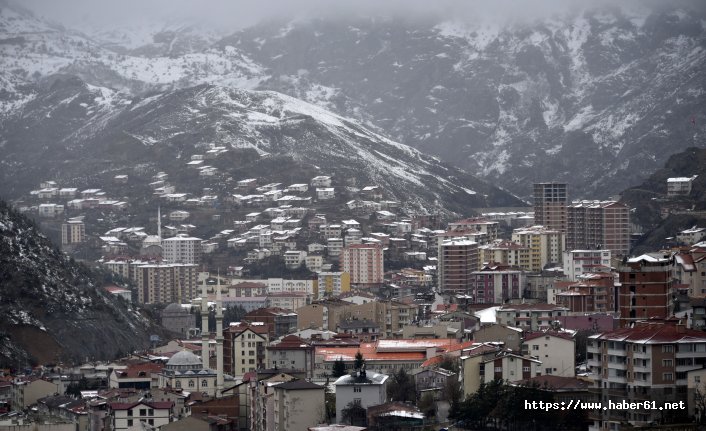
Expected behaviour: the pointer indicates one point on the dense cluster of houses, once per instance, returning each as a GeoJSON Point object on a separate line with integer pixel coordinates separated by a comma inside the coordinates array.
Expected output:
{"type": "Point", "coordinates": [549, 297]}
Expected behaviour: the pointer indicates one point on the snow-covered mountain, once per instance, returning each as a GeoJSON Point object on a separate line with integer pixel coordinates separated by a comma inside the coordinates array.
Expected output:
{"type": "Point", "coordinates": [73, 130]}
{"type": "Point", "coordinates": [598, 98]}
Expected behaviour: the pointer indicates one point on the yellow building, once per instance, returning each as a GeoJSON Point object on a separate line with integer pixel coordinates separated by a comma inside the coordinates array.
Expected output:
{"type": "Point", "coordinates": [545, 246]}
{"type": "Point", "coordinates": [330, 284]}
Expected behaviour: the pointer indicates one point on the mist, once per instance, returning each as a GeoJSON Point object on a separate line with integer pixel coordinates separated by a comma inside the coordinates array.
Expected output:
{"type": "Point", "coordinates": [240, 14]}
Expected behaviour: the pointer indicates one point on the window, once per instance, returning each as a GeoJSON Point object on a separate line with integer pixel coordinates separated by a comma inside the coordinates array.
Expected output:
{"type": "Point", "coordinates": [667, 363]}
{"type": "Point", "coordinates": [129, 422]}
{"type": "Point", "coordinates": [204, 383]}
{"type": "Point", "coordinates": [667, 377]}
{"type": "Point", "coordinates": [191, 383]}
{"type": "Point", "coordinates": [535, 347]}
{"type": "Point", "coordinates": [150, 412]}
{"type": "Point", "coordinates": [667, 348]}
{"type": "Point", "coordinates": [525, 369]}
{"type": "Point", "coordinates": [356, 389]}
{"type": "Point", "coordinates": [129, 412]}
{"type": "Point", "coordinates": [143, 412]}
{"type": "Point", "coordinates": [498, 369]}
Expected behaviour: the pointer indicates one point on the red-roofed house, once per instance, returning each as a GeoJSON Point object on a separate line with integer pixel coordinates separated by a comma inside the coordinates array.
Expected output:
{"type": "Point", "coordinates": [138, 376]}
{"type": "Point", "coordinates": [292, 352]}
{"type": "Point", "coordinates": [128, 416]}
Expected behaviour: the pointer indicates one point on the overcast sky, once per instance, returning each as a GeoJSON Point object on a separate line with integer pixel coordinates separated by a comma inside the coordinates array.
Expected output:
{"type": "Point", "coordinates": [241, 13]}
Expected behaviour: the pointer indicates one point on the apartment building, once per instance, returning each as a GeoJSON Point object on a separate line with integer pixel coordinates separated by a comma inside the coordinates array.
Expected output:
{"type": "Point", "coordinates": [645, 289]}
{"type": "Point", "coordinates": [546, 246]}
{"type": "Point", "coordinates": [592, 293]}
{"type": "Point", "coordinates": [182, 249]}
{"type": "Point", "coordinates": [578, 262]}
{"type": "Point", "coordinates": [689, 268]}
{"type": "Point", "coordinates": [487, 228]}
{"type": "Point", "coordinates": [556, 350]}
{"type": "Point", "coordinates": [680, 186]}
{"type": "Point", "coordinates": [73, 232]}
{"type": "Point", "coordinates": [165, 282]}
{"type": "Point", "coordinates": [457, 260]}
{"type": "Point", "coordinates": [495, 285]}
{"type": "Point", "coordinates": [509, 366]}
{"type": "Point", "coordinates": [506, 253]}
{"type": "Point", "coordinates": [292, 353]}
{"type": "Point", "coordinates": [329, 284]}
{"type": "Point", "coordinates": [550, 201]}
{"type": "Point", "coordinates": [599, 225]}
{"type": "Point", "coordinates": [298, 405]}
{"type": "Point", "coordinates": [244, 348]}
{"type": "Point", "coordinates": [364, 263]}
{"type": "Point", "coordinates": [530, 316]}
{"type": "Point", "coordinates": [650, 361]}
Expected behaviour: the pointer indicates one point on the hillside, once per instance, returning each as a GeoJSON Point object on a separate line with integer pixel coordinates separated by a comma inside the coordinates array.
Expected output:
{"type": "Point", "coordinates": [74, 130]}
{"type": "Point", "coordinates": [53, 308]}
{"type": "Point", "coordinates": [661, 216]}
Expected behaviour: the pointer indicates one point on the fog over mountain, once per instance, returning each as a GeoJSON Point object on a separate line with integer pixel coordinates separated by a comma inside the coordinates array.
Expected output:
{"type": "Point", "coordinates": [594, 94]}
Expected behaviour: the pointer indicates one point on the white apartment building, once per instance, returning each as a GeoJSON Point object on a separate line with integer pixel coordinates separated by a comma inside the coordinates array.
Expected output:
{"type": "Point", "coordinates": [578, 262]}
{"type": "Point", "coordinates": [182, 249]}
{"type": "Point", "coordinates": [556, 350]}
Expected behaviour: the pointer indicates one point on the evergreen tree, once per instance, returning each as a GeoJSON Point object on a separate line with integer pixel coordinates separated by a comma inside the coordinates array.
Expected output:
{"type": "Point", "coordinates": [339, 368]}
{"type": "Point", "coordinates": [359, 361]}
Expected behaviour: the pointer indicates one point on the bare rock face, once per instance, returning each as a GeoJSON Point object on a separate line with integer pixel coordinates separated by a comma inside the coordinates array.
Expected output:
{"type": "Point", "coordinates": [53, 308]}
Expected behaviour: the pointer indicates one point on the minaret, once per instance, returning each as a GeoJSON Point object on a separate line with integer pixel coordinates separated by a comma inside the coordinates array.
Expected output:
{"type": "Point", "coordinates": [219, 339]}
{"type": "Point", "coordinates": [159, 222]}
{"type": "Point", "coordinates": [204, 327]}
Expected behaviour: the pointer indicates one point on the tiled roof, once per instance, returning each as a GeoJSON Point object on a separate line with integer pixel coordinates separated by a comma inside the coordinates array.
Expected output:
{"type": "Point", "coordinates": [557, 383]}
{"type": "Point", "coordinates": [135, 371]}
{"type": "Point", "coordinates": [654, 333]}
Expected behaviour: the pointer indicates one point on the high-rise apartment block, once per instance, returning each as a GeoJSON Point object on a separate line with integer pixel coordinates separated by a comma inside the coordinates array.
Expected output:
{"type": "Point", "coordinates": [645, 289]}
{"type": "Point", "coordinates": [364, 263]}
{"type": "Point", "coordinates": [165, 282]}
{"type": "Point", "coordinates": [550, 201]}
{"type": "Point", "coordinates": [599, 225]}
{"type": "Point", "coordinates": [457, 261]}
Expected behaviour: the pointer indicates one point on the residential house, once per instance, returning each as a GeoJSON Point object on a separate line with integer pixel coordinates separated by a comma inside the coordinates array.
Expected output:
{"type": "Point", "coordinates": [364, 388]}
{"type": "Point", "coordinates": [136, 415]}
{"type": "Point", "coordinates": [292, 352]}
{"type": "Point", "coordinates": [510, 337]}
{"type": "Point", "coordinates": [556, 350]}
